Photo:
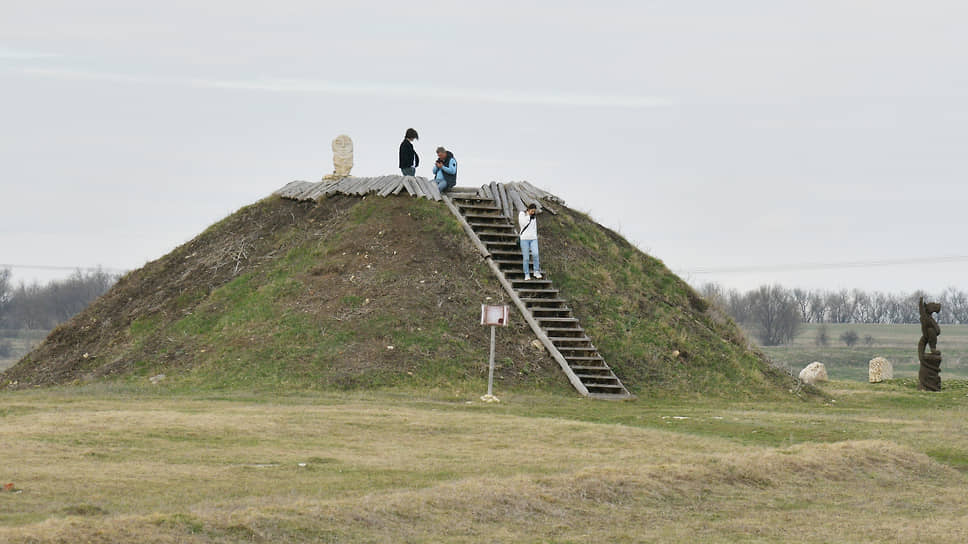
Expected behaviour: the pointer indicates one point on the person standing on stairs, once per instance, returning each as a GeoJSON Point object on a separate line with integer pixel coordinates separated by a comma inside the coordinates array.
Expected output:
{"type": "Point", "coordinates": [409, 161]}
{"type": "Point", "coordinates": [528, 226]}
{"type": "Point", "coordinates": [445, 170]}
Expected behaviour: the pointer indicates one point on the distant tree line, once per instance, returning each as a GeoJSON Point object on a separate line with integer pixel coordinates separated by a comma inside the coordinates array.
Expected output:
{"type": "Point", "coordinates": [774, 313]}
{"type": "Point", "coordinates": [36, 306]}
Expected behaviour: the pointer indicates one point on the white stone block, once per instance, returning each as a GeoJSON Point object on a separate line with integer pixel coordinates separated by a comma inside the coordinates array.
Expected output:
{"type": "Point", "coordinates": [880, 369]}
{"type": "Point", "coordinates": [813, 373]}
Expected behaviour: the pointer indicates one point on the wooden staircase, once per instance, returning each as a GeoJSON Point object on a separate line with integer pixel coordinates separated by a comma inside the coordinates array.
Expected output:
{"type": "Point", "coordinates": [540, 303]}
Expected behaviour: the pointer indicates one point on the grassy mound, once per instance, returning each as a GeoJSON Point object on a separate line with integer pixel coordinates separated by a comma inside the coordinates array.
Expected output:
{"type": "Point", "coordinates": [362, 293]}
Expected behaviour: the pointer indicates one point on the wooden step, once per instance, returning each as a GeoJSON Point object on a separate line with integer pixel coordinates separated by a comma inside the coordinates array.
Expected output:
{"type": "Point", "coordinates": [490, 226]}
{"type": "Point", "coordinates": [536, 290]}
{"type": "Point", "coordinates": [465, 208]}
{"type": "Point", "coordinates": [557, 319]}
{"type": "Point", "coordinates": [549, 308]}
{"type": "Point", "coordinates": [532, 281]}
{"type": "Point", "coordinates": [597, 380]}
{"type": "Point", "coordinates": [599, 372]}
{"type": "Point", "coordinates": [584, 358]}
{"type": "Point", "coordinates": [615, 391]}
{"type": "Point", "coordinates": [564, 343]}
{"type": "Point", "coordinates": [543, 300]}
{"type": "Point", "coordinates": [586, 368]}
{"type": "Point", "coordinates": [474, 215]}
{"type": "Point", "coordinates": [605, 387]}
{"type": "Point", "coordinates": [559, 308]}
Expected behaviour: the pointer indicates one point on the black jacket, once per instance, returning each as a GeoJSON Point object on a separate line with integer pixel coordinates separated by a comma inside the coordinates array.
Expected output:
{"type": "Point", "coordinates": [408, 157]}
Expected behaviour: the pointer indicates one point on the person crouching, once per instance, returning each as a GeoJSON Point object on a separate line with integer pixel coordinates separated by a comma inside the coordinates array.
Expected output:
{"type": "Point", "coordinates": [528, 225]}
{"type": "Point", "coordinates": [445, 169]}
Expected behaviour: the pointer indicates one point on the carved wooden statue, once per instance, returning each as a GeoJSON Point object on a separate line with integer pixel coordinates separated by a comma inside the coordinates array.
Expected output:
{"type": "Point", "coordinates": [929, 377]}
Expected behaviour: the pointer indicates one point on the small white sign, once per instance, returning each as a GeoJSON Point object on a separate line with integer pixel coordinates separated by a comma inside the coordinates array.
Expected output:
{"type": "Point", "coordinates": [494, 315]}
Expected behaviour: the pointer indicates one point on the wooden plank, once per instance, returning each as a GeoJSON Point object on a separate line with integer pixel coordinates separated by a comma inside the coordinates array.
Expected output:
{"type": "Point", "coordinates": [515, 198]}
{"type": "Point", "coordinates": [545, 195]}
{"type": "Point", "coordinates": [357, 186]}
{"type": "Point", "coordinates": [304, 194]}
{"type": "Point", "coordinates": [400, 187]}
{"type": "Point", "coordinates": [540, 195]}
{"type": "Point", "coordinates": [371, 184]}
{"type": "Point", "coordinates": [317, 191]}
{"type": "Point", "coordinates": [505, 200]}
{"type": "Point", "coordinates": [429, 188]}
{"type": "Point", "coordinates": [496, 195]}
{"type": "Point", "coordinates": [411, 189]}
{"type": "Point", "coordinates": [288, 188]}
{"type": "Point", "coordinates": [380, 184]}
{"type": "Point", "coordinates": [485, 191]}
{"type": "Point", "coordinates": [434, 191]}
{"type": "Point", "coordinates": [418, 188]}
{"type": "Point", "coordinates": [408, 185]}
{"type": "Point", "coordinates": [385, 189]}
{"type": "Point", "coordinates": [526, 197]}
{"type": "Point", "coordinates": [390, 187]}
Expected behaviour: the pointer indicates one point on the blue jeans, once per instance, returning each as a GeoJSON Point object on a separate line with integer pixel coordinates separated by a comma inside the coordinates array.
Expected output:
{"type": "Point", "coordinates": [530, 247]}
{"type": "Point", "coordinates": [441, 184]}
{"type": "Point", "coordinates": [409, 171]}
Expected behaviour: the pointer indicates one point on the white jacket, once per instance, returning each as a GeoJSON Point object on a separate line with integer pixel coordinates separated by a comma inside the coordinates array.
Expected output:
{"type": "Point", "coordinates": [530, 233]}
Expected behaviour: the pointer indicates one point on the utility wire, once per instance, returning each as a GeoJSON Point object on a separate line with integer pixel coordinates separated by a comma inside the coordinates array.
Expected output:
{"type": "Point", "coordinates": [55, 267]}
{"type": "Point", "coordinates": [924, 261]}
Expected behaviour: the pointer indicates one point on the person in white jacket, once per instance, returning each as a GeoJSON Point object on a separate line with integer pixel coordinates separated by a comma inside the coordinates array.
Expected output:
{"type": "Point", "coordinates": [528, 229]}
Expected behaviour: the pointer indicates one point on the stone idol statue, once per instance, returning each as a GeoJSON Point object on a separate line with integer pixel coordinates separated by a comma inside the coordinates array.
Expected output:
{"type": "Point", "coordinates": [929, 377]}
{"type": "Point", "coordinates": [342, 157]}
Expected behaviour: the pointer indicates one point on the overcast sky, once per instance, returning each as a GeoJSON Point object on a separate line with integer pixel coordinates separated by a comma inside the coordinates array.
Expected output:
{"type": "Point", "coordinates": [736, 138]}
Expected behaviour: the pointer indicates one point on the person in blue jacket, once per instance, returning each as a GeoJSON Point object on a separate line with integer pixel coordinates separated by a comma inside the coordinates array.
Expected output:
{"type": "Point", "coordinates": [445, 169]}
{"type": "Point", "coordinates": [409, 160]}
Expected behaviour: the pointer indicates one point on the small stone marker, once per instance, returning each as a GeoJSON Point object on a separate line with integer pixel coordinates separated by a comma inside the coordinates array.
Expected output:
{"type": "Point", "coordinates": [880, 369]}
{"type": "Point", "coordinates": [813, 373]}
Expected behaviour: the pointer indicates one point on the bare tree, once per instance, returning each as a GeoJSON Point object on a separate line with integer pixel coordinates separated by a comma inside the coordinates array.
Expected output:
{"type": "Point", "coordinates": [5, 293]}
{"type": "Point", "coordinates": [802, 298]}
{"type": "Point", "coordinates": [818, 310]}
{"type": "Point", "coordinates": [35, 306]}
{"type": "Point", "coordinates": [774, 315]}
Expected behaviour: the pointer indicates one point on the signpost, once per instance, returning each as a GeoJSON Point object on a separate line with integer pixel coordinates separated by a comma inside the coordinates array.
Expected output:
{"type": "Point", "coordinates": [495, 316]}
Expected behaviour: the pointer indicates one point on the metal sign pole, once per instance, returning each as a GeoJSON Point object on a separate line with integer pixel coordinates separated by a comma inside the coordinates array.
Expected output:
{"type": "Point", "coordinates": [494, 316]}
{"type": "Point", "coordinates": [490, 373]}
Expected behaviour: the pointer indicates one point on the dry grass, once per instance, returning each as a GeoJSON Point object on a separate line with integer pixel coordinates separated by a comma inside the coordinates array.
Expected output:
{"type": "Point", "coordinates": [104, 467]}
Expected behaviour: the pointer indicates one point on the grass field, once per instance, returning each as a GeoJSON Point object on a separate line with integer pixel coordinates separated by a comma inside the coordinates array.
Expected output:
{"type": "Point", "coordinates": [898, 343]}
{"type": "Point", "coordinates": [110, 463]}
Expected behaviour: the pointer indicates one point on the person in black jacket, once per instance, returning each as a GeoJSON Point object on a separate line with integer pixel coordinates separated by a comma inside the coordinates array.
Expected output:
{"type": "Point", "coordinates": [409, 161]}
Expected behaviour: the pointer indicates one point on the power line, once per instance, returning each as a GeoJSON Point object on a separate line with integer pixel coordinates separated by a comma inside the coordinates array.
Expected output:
{"type": "Point", "coordinates": [924, 261]}
{"type": "Point", "coordinates": [57, 267]}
